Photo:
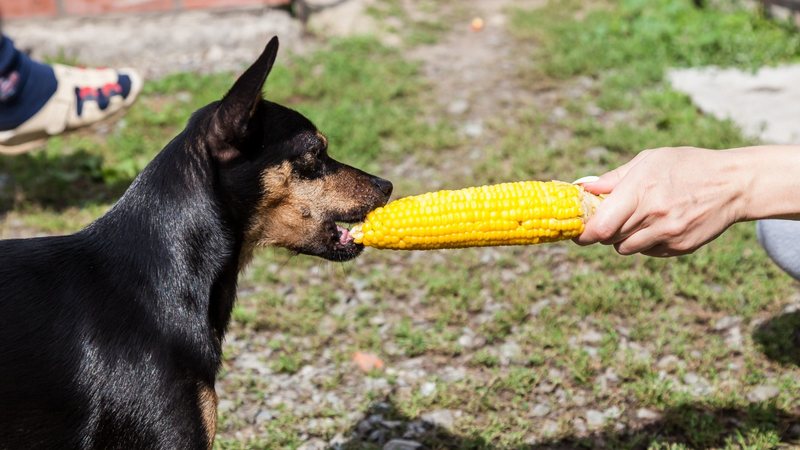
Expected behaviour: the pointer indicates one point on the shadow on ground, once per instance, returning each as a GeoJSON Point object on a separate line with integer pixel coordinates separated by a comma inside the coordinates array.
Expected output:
{"type": "Point", "coordinates": [40, 179]}
{"type": "Point", "coordinates": [694, 425]}
{"type": "Point", "coordinates": [779, 338]}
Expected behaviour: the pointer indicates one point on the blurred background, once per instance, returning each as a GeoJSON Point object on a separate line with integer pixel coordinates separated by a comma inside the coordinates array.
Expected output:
{"type": "Point", "coordinates": [547, 347]}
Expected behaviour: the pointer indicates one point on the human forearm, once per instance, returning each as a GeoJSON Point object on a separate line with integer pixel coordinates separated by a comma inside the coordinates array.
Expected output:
{"type": "Point", "coordinates": [770, 180]}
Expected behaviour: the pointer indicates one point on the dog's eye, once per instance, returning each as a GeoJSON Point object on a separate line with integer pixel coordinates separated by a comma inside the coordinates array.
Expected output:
{"type": "Point", "coordinates": [309, 164]}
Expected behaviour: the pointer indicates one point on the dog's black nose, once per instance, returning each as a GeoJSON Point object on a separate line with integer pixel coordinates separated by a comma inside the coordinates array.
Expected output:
{"type": "Point", "coordinates": [384, 185]}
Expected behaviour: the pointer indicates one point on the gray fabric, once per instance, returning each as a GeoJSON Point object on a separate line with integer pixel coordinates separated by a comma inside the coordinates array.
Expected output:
{"type": "Point", "coordinates": [781, 240]}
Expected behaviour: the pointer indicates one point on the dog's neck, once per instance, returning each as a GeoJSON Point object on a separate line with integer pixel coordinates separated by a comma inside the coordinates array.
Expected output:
{"type": "Point", "coordinates": [171, 219]}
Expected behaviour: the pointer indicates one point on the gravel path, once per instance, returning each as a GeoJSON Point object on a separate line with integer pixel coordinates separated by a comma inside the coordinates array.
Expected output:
{"type": "Point", "coordinates": [158, 44]}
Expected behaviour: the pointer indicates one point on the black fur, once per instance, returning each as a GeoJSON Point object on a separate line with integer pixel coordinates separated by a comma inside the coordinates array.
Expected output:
{"type": "Point", "coordinates": [105, 335]}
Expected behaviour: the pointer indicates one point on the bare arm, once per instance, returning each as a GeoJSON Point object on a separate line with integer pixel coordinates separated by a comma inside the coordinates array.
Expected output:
{"type": "Point", "coordinates": [671, 201]}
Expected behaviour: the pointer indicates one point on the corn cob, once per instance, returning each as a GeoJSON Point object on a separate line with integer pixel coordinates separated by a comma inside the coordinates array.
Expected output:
{"type": "Point", "coordinates": [528, 212]}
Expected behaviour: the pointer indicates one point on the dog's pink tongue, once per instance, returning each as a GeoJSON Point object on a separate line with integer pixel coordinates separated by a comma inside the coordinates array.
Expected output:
{"type": "Point", "coordinates": [344, 236]}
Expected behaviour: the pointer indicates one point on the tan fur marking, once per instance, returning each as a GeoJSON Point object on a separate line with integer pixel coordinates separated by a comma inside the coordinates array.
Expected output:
{"type": "Point", "coordinates": [207, 401]}
{"type": "Point", "coordinates": [291, 214]}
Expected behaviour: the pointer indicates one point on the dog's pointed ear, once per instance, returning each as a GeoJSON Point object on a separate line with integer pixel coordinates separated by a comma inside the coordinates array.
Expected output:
{"type": "Point", "coordinates": [238, 106]}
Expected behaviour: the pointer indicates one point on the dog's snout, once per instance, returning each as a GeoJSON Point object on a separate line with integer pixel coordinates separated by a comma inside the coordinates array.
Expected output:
{"type": "Point", "coordinates": [385, 186]}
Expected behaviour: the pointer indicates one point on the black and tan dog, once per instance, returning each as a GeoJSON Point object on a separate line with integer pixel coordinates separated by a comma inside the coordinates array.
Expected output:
{"type": "Point", "coordinates": [111, 337]}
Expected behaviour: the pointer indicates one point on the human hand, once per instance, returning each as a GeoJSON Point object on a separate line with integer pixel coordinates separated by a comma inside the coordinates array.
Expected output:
{"type": "Point", "coordinates": [666, 202]}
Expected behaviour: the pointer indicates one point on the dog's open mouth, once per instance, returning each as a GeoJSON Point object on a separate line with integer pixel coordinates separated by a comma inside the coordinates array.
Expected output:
{"type": "Point", "coordinates": [342, 245]}
{"type": "Point", "coordinates": [343, 230]}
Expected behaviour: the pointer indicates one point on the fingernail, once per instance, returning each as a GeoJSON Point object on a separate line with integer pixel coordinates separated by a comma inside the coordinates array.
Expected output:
{"type": "Point", "coordinates": [587, 179]}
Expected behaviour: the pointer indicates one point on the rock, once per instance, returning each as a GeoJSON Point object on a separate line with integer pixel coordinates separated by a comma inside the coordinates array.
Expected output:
{"type": "Point", "coordinates": [416, 428]}
{"type": "Point", "coordinates": [538, 307]}
{"type": "Point", "coordinates": [594, 110]}
{"type": "Point", "coordinates": [510, 351]}
{"type": "Point", "coordinates": [338, 440]}
{"type": "Point", "coordinates": [726, 322]}
{"type": "Point", "coordinates": [669, 363]}
{"type": "Point", "coordinates": [612, 413]}
{"type": "Point", "coordinates": [595, 419]}
{"type": "Point", "coordinates": [265, 415]}
{"type": "Point", "coordinates": [607, 379]}
{"type": "Point", "coordinates": [403, 444]}
{"type": "Point", "coordinates": [591, 337]}
{"type": "Point", "coordinates": [540, 410]}
{"type": "Point", "coordinates": [647, 414]}
{"type": "Point", "coordinates": [691, 378]}
{"type": "Point", "coordinates": [763, 393]}
{"type": "Point", "coordinates": [558, 114]}
{"type": "Point", "coordinates": [314, 444]}
{"type": "Point", "coordinates": [734, 339]}
{"type": "Point", "coordinates": [473, 129]}
{"type": "Point", "coordinates": [453, 374]}
{"type": "Point", "coordinates": [466, 340]}
{"type": "Point", "coordinates": [378, 436]}
{"type": "Point", "coordinates": [550, 427]}
{"type": "Point", "coordinates": [427, 389]}
{"type": "Point", "coordinates": [226, 405]}
{"type": "Point", "coordinates": [458, 107]}
{"type": "Point", "coordinates": [443, 418]}
{"type": "Point", "coordinates": [579, 426]}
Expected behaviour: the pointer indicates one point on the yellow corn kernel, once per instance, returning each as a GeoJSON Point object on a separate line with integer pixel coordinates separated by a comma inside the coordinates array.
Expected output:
{"type": "Point", "coordinates": [521, 213]}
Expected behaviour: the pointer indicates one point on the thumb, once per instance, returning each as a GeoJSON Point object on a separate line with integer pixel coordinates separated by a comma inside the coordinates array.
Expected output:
{"type": "Point", "coordinates": [609, 180]}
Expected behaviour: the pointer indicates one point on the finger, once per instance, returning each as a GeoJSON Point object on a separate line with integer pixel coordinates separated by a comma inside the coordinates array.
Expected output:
{"type": "Point", "coordinates": [639, 242]}
{"type": "Point", "coordinates": [611, 215]}
{"type": "Point", "coordinates": [608, 181]}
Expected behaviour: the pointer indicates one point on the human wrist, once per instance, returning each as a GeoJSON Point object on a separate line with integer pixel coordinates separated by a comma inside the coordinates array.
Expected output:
{"type": "Point", "coordinates": [767, 179]}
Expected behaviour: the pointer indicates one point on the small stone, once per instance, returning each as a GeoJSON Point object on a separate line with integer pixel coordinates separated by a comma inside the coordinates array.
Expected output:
{"type": "Point", "coordinates": [458, 107]}
{"type": "Point", "coordinates": [591, 337]}
{"type": "Point", "coordinates": [734, 339]}
{"type": "Point", "coordinates": [647, 414]}
{"type": "Point", "coordinates": [402, 444]}
{"type": "Point", "coordinates": [791, 308]}
{"type": "Point", "coordinates": [669, 363]}
{"type": "Point", "coordinates": [594, 110]}
{"type": "Point", "coordinates": [338, 440]}
{"type": "Point", "coordinates": [473, 129]}
{"type": "Point", "coordinates": [427, 389]}
{"type": "Point", "coordinates": [691, 378]}
{"type": "Point", "coordinates": [226, 405]}
{"type": "Point", "coordinates": [727, 322]}
{"type": "Point", "coordinates": [595, 419]}
{"type": "Point", "coordinates": [314, 444]}
{"type": "Point", "coordinates": [540, 410]}
{"type": "Point", "coordinates": [265, 415]}
{"type": "Point", "coordinates": [416, 428]}
{"type": "Point", "coordinates": [550, 427]}
{"type": "Point", "coordinates": [509, 352]}
{"type": "Point", "coordinates": [558, 114]}
{"type": "Point", "coordinates": [378, 436]}
{"type": "Point", "coordinates": [612, 412]}
{"type": "Point", "coordinates": [763, 393]}
{"type": "Point", "coordinates": [579, 426]}
{"type": "Point", "coordinates": [466, 341]}
{"type": "Point", "coordinates": [452, 374]}
{"type": "Point", "coordinates": [538, 307]}
{"type": "Point", "coordinates": [443, 418]}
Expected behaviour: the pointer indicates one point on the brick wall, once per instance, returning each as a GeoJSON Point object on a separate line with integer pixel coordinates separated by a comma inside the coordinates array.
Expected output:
{"type": "Point", "coordinates": [12, 9]}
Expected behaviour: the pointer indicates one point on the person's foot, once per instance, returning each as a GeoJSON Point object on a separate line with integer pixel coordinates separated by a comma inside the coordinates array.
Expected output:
{"type": "Point", "coordinates": [82, 97]}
